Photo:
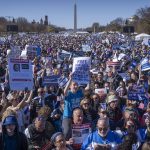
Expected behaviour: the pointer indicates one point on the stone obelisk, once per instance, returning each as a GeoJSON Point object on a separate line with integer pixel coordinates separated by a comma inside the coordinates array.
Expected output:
{"type": "Point", "coordinates": [75, 17]}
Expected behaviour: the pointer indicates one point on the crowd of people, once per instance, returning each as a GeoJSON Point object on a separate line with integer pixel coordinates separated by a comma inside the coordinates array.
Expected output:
{"type": "Point", "coordinates": [75, 116]}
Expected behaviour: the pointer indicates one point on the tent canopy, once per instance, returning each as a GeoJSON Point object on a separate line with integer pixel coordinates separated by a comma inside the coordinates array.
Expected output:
{"type": "Point", "coordinates": [141, 36]}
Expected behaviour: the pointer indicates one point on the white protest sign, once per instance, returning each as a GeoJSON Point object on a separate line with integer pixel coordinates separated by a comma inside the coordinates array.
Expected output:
{"type": "Point", "coordinates": [79, 133]}
{"type": "Point", "coordinates": [20, 74]}
{"type": "Point", "coordinates": [81, 69]}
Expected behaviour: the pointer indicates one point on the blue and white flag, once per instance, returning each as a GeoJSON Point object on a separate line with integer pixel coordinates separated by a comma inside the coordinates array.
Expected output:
{"type": "Point", "coordinates": [145, 65]}
{"type": "Point", "coordinates": [62, 81]}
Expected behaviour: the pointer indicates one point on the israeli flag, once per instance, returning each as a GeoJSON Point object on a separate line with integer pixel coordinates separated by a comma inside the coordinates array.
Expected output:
{"type": "Point", "coordinates": [62, 81]}
{"type": "Point", "coordinates": [145, 65]}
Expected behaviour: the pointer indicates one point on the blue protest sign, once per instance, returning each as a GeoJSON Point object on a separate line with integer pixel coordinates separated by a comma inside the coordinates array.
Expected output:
{"type": "Point", "coordinates": [51, 80]}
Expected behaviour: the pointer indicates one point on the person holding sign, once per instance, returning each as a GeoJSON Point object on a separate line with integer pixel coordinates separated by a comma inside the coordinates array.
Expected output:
{"type": "Point", "coordinates": [81, 127]}
{"type": "Point", "coordinates": [72, 100]}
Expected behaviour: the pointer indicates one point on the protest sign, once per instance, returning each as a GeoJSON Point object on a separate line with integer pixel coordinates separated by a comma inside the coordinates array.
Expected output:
{"type": "Point", "coordinates": [137, 93]}
{"type": "Point", "coordinates": [79, 133]}
{"type": "Point", "coordinates": [51, 80]}
{"type": "Point", "coordinates": [81, 69]}
{"type": "Point", "coordinates": [20, 74]}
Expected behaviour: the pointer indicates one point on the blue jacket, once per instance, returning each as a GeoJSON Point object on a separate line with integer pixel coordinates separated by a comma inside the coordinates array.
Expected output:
{"type": "Point", "coordinates": [94, 137]}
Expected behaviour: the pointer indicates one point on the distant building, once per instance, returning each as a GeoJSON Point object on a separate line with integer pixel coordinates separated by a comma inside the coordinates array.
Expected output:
{"type": "Point", "coordinates": [33, 22]}
{"type": "Point", "coordinates": [46, 20]}
{"type": "Point", "coordinates": [41, 21]}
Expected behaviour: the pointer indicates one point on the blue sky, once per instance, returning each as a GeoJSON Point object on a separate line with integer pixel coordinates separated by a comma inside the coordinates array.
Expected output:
{"type": "Point", "coordinates": [60, 12]}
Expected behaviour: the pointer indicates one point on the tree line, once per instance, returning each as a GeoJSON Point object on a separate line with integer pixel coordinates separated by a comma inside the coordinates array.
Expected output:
{"type": "Point", "coordinates": [140, 21]}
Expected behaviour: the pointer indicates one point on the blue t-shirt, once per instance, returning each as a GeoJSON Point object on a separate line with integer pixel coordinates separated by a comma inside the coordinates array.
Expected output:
{"type": "Point", "coordinates": [72, 100]}
{"type": "Point", "coordinates": [95, 138]}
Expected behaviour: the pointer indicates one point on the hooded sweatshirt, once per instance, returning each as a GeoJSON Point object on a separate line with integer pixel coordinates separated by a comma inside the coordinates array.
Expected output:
{"type": "Point", "coordinates": [18, 141]}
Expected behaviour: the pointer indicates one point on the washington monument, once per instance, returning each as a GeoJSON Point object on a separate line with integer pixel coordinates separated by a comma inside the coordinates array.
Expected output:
{"type": "Point", "coordinates": [75, 17]}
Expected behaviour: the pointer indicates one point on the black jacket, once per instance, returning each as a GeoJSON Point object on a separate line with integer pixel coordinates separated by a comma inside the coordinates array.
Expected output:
{"type": "Point", "coordinates": [22, 143]}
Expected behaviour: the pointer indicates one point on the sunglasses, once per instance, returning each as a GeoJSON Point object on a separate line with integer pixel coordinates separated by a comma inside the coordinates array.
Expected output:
{"type": "Point", "coordinates": [103, 129]}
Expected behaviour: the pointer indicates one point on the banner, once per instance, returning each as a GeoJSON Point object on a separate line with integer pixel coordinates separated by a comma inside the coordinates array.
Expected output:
{"type": "Point", "coordinates": [79, 133]}
{"type": "Point", "coordinates": [81, 69]}
{"type": "Point", "coordinates": [20, 74]}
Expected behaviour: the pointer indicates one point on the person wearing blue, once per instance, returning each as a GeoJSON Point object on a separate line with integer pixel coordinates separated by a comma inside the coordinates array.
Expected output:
{"type": "Point", "coordinates": [72, 101]}
{"type": "Point", "coordinates": [11, 138]}
{"type": "Point", "coordinates": [102, 138]}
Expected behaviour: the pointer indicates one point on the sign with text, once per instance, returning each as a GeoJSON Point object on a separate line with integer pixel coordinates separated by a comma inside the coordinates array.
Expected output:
{"type": "Point", "coordinates": [20, 74]}
{"type": "Point", "coordinates": [137, 93]}
{"type": "Point", "coordinates": [51, 80]}
{"type": "Point", "coordinates": [79, 133]}
{"type": "Point", "coordinates": [81, 69]}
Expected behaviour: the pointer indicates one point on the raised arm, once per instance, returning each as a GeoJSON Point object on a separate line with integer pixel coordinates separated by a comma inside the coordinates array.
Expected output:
{"type": "Point", "coordinates": [26, 100]}
{"type": "Point", "coordinates": [68, 85]}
